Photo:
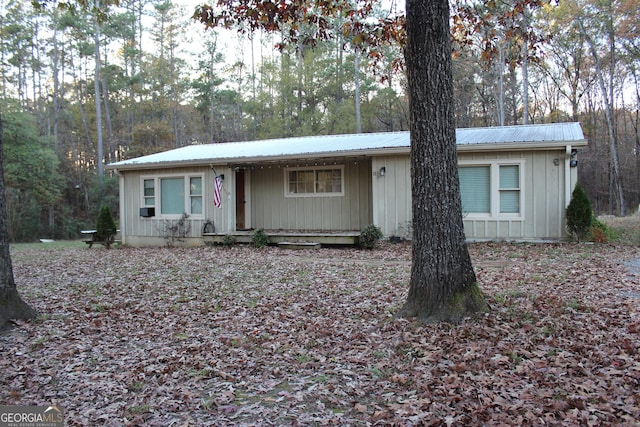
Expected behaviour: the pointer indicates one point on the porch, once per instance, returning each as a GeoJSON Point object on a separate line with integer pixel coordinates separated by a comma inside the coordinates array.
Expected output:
{"type": "Point", "coordinates": [289, 236]}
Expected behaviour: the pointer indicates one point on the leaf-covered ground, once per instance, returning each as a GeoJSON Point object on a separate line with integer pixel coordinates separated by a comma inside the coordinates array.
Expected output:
{"type": "Point", "coordinates": [241, 336]}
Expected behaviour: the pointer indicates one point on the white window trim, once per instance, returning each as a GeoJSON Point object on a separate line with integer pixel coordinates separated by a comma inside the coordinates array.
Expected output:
{"type": "Point", "coordinates": [494, 174]}
{"type": "Point", "coordinates": [187, 194]}
{"type": "Point", "coordinates": [313, 168]}
{"type": "Point", "coordinates": [155, 191]}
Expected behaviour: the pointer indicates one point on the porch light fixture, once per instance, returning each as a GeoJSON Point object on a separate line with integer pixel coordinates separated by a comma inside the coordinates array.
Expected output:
{"type": "Point", "coordinates": [383, 171]}
{"type": "Point", "coordinates": [573, 162]}
{"type": "Point", "coordinates": [221, 176]}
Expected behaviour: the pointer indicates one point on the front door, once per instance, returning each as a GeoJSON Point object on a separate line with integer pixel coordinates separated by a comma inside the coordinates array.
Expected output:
{"type": "Point", "coordinates": [241, 201]}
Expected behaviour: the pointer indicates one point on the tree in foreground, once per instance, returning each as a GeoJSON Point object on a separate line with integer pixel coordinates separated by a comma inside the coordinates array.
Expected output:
{"type": "Point", "coordinates": [12, 307]}
{"type": "Point", "coordinates": [443, 284]}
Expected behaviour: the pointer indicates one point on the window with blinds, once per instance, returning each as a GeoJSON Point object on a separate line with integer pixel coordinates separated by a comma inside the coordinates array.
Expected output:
{"type": "Point", "coordinates": [174, 195]}
{"type": "Point", "coordinates": [475, 189]}
{"type": "Point", "coordinates": [491, 190]}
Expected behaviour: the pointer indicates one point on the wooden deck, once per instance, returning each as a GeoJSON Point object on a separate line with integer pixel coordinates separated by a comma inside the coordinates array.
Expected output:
{"type": "Point", "coordinates": [290, 236]}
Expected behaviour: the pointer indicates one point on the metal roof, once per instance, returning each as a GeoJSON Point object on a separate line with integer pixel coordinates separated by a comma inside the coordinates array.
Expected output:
{"type": "Point", "coordinates": [524, 136]}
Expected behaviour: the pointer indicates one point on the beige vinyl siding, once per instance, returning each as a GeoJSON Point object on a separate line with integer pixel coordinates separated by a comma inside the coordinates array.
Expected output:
{"type": "Point", "coordinates": [138, 231]}
{"type": "Point", "coordinates": [543, 199]}
{"type": "Point", "coordinates": [368, 198]}
{"type": "Point", "coordinates": [271, 209]}
{"type": "Point", "coordinates": [392, 195]}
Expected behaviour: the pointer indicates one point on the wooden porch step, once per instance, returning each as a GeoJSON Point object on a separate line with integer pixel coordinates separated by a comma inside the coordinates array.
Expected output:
{"type": "Point", "coordinates": [299, 245]}
{"type": "Point", "coordinates": [279, 236]}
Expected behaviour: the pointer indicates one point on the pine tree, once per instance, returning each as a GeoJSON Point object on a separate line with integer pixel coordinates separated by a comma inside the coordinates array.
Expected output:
{"type": "Point", "coordinates": [579, 213]}
{"type": "Point", "coordinates": [12, 306]}
{"type": "Point", "coordinates": [106, 227]}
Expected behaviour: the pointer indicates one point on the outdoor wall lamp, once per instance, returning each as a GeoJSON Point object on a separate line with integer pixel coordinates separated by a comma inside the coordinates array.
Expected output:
{"type": "Point", "coordinates": [574, 158]}
{"type": "Point", "coordinates": [221, 176]}
{"type": "Point", "coordinates": [383, 171]}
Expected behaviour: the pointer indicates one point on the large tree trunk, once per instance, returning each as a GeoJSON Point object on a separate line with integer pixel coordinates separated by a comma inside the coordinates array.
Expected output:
{"type": "Point", "coordinates": [443, 284]}
{"type": "Point", "coordinates": [11, 305]}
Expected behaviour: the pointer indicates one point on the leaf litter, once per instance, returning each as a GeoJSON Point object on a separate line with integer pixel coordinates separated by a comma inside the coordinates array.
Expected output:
{"type": "Point", "coordinates": [241, 336]}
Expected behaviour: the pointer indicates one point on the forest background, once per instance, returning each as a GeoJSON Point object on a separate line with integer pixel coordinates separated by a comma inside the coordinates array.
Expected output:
{"type": "Point", "coordinates": [79, 91]}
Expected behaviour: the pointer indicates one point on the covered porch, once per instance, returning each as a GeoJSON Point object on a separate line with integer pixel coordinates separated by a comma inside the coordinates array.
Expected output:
{"type": "Point", "coordinates": [286, 237]}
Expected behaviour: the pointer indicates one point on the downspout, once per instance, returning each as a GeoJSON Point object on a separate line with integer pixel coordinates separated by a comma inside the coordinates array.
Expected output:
{"type": "Point", "coordinates": [567, 192]}
{"type": "Point", "coordinates": [123, 221]}
{"type": "Point", "coordinates": [567, 177]}
{"type": "Point", "coordinates": [376, 189]}
{"type": "Point", "coordinates": [248, 209]}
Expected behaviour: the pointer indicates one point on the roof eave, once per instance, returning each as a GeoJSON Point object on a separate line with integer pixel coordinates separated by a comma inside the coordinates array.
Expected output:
{"type": "Point", "coordinates": [511, 146]}
{"type": "Point", "coordinates": [159, 165]}
{"type": "Point", "coordinates": [522, 146]}
{"type": "Point", "coordinates": [257, 159]}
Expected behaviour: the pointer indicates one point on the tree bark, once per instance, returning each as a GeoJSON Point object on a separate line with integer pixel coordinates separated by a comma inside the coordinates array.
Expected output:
{"type": "Point", "coordinates": [96, 91]}
{"type": "Point", "coordinates": [443, 284]}
{"type": "Point", "coordinates": [607, 95]}
{"type": "Point", "coordinates": [356, 78]}
{"type": "Point", "coordinates": [500, 89]}
{"type": "Point", "coordinates": [11, 305]}
{"type": "Point", "coordinates": [55, 67]}
{"type": "Point", "coordinates": [525, 69]}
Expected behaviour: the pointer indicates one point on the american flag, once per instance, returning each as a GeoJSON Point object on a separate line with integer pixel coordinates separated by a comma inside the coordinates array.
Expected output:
{"type": "Point", "coordinates": [217, 189]}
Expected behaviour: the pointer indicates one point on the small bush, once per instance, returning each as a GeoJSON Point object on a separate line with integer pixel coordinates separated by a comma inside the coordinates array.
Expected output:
{"type": "Point", "coordinates": [599, 232]}
{"type": "Point", "coordinates": [175, 231]}
{"type": "Point", "coordinates": [106, 227]}
{"type": "Point", "coordinates": [369, 236]}
{"type": "Point", "coordinates": [259, 238]}
{"type": "Point", "coordinates": [229, 240]}
{"type": "Point", "coordinates": [579, 214]}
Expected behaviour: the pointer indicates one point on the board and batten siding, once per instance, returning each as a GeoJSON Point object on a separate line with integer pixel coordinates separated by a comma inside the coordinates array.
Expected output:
{"type": "Point", "coordinates": [543, 203]}
{"type": "Point", "coordinates": [392, 195]}
{"type": "Point", "coordinates": [271, 209]}
{"type": "Point", "coordinates": [139, 231]}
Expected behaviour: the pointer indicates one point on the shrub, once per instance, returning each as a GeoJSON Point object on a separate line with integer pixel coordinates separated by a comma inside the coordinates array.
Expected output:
{"type": "Point", "coordinates": [229, 240]}
{"type": "Point", "coordinates": [579, 213]}
{"type": "Point", "coordinates": [369, 236]}
{"type": "Point", "coordinates": [599, 232]}
{"type": "Point", "coordinates": [106, 227]}
{"type": "Point", "coordinates": [175, 231]}
{"type": "Point", "coordinates": [259, 238]}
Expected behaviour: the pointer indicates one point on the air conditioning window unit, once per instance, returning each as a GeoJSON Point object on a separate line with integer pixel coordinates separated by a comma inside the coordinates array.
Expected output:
{"type": "Point", "coordinates": [147, 212]}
